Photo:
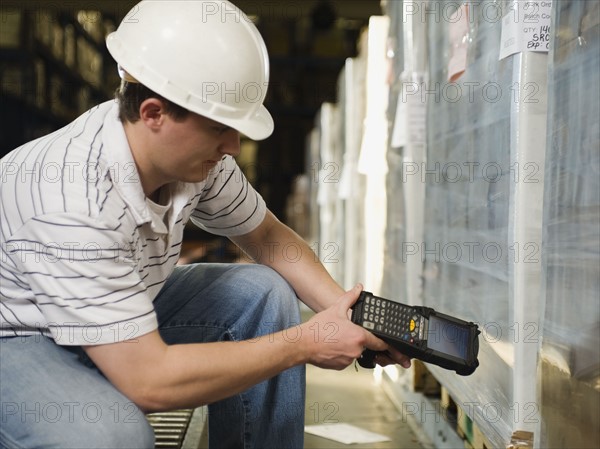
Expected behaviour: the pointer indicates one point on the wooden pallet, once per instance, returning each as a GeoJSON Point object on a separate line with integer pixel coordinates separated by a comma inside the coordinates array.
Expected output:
{"type": "Point", "coordinates": [470, 432]}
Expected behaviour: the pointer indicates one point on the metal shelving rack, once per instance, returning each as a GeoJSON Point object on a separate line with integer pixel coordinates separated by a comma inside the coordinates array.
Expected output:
{"type": "Point", "coordinates": [53, 67]}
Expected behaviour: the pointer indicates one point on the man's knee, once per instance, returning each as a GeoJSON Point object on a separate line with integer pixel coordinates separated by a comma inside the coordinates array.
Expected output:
{"type": "Point", "coordinates": [269, 301]}
{"type": "Point", "coordinates": [282, 299]}
{"type": "Point", "coordinates": [268, 280]}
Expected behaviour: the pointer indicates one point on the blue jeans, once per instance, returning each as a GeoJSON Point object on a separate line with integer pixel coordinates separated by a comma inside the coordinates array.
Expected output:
{"type": "Point", "coordinates": [53, 396]}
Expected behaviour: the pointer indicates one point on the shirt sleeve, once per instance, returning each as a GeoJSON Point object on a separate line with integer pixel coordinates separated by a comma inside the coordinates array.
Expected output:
{"type": "Point", "coordinates": [82, 278]}
{"type": "Point", "coordinates": [229, 204]}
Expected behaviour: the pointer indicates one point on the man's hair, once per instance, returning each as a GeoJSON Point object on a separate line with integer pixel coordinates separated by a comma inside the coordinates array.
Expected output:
{"type": "Point", "coordinates": [130, 96]}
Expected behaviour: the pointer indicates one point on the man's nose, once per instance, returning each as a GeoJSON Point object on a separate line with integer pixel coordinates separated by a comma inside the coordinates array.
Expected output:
{"type": "Point", "coordinates": [230, 143]}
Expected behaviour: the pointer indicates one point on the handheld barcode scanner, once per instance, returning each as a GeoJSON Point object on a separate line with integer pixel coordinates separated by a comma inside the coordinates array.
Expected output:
{"type": "Point", "coordinates": [418, 332]}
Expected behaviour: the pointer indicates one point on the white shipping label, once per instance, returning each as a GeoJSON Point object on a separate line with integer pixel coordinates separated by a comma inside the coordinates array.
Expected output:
{"type": "Point", "coordinates": [526, 27]}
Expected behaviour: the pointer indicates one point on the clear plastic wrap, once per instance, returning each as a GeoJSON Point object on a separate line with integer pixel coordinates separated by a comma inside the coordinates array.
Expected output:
{"type": "Point", "coordinates": [510, 229]}
{"type": "Point", "coordinates": [394, 276]}
{"type": "Point", "coordinates": [406, 148]}
{"type": "Point", "coordinates": [483, 222]}
{"type": "Point", "coordinates": [569, 366]}
{"type": "Point", "coordinates": [327, 175]}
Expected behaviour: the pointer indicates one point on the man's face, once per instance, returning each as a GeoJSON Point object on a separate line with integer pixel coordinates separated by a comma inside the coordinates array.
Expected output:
{"type": "Point", "coordinates": [188, 149]}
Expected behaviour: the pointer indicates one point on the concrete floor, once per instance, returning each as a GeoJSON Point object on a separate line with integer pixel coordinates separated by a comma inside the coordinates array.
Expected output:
{"type": "Point", "coordinates": [349, 397]}
{"type": "Point", "coordinates": [354, 398]}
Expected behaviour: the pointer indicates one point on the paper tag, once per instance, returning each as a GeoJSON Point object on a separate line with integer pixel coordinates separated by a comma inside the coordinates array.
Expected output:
{"type": "Point", "coordinates": [399, 132]}
{"type": "Point", "coordinates": [526, 27]}
{"type": "Point", "coordinates": [459, 37]}
{"type": "Point", "coordinates": [411, 114]}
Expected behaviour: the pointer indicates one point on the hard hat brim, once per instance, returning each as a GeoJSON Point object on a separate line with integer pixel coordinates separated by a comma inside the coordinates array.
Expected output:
{"type": "Point", "coordinates": [258, 127]}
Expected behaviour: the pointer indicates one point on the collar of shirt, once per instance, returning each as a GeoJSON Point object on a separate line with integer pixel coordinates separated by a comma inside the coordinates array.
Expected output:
{"type": "Point", "coordinates": [126, 179]}
{"type": "Point", "coordinates": [121, 166]}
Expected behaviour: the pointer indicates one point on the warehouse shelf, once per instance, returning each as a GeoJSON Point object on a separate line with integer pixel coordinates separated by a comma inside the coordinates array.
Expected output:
{"type": "Point", "coordinates": [52, 70]}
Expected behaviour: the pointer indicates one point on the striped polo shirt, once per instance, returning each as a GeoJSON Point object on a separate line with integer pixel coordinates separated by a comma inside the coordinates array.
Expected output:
{"type": "Point", "coordinates": [82, 252]}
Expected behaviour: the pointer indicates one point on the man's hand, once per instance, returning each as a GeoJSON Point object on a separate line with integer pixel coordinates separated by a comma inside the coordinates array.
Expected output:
{"type": "Point", "coordinates": [334, 341]}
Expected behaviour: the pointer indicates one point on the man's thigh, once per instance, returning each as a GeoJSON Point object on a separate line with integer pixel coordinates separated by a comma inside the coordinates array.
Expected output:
{"type": "Point", "coordinates": [211, 302]}
{"type": "Point", "coordinates": [49, 398]}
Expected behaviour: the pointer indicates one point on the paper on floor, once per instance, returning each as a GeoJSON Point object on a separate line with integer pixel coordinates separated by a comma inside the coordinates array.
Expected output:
{"type": "Point", "coordinates": [345, 433]}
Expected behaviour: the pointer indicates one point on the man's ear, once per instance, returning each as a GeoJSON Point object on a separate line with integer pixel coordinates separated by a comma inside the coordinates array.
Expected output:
{"type": "Point", "coordinates": [152, 113]}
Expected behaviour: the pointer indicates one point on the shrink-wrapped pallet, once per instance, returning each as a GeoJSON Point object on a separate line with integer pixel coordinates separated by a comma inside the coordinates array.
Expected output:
{"type": "Point", "coordinates": [352, 183]}
{"type": "Point", "coordinates": [406, 113]}
{"type": "Point", "coordinates": [569, 371]}
{"type": "Point", "coordinates": [484, 183]}
{"type": "Point", "coordinates": [372, 161]}
{"type": "Point", "coordinates": [394, 275]}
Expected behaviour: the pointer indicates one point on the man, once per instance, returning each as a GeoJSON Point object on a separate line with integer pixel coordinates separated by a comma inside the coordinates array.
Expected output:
{"type": "Point", "coordinates": [98, 324]}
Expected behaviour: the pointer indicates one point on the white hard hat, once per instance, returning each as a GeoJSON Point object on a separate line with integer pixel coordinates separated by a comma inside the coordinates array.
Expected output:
{"type": "Point", "coordinates": [203, 55]}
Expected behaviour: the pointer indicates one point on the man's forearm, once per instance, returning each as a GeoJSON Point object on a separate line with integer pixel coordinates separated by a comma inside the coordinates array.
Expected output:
{"type": "Point", "coordinates": [280, 248]}
{"type": "Point", "coordinates": [158, 377]}
{"type": "Point", "coordinates": [307, 275]}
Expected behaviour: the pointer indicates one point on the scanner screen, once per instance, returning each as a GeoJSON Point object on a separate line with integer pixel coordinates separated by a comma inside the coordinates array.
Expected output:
{"type": "Point", "coordinates": [447, 337]}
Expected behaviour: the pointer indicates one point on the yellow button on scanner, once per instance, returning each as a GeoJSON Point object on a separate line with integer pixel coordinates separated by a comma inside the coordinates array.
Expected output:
{"type": "Point", "coordinates": [412, 325]}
